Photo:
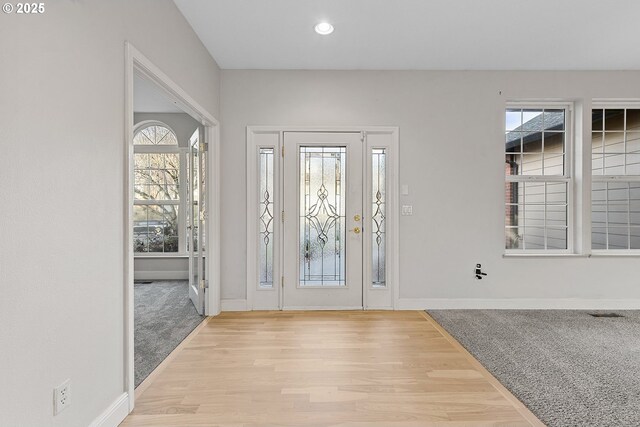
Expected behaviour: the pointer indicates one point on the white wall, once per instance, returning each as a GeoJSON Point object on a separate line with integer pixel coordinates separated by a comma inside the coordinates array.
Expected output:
{"type": "Point", "coordinates": [452, 158]}
{"type": "Point", "coordinates": [61, 174]}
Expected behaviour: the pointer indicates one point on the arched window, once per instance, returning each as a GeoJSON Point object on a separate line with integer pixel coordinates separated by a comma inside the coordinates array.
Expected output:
{"type": "Point", "coordinates": [156, 189]}
{"type": "Point", "coordinates": [155, 134]}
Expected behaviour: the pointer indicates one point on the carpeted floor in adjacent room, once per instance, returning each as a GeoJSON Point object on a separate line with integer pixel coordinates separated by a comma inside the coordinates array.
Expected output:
{"type": "Point", "coordinates": [164, 316]}
{"type": "Point", "coordinates": [567, 367]}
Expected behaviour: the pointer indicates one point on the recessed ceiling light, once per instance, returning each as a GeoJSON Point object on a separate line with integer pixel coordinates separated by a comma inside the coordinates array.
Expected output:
{"type": "Point", "coordinates": [324, 28]}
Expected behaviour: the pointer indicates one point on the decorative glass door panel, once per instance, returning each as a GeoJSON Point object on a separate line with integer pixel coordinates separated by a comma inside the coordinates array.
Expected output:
{"type": "Point", "coordinates": [322, 216]}
{"type": "Point", "coordinates": [323, 196]}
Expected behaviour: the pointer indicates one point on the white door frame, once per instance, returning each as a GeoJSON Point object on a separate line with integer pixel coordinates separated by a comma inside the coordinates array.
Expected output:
{"type": "Point", "coordinates": [136, 62]}
{"type": "Point", "coordinates": [273, 137]}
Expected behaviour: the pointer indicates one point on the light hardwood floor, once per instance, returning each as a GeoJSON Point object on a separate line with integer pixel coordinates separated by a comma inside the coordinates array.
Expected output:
{"type": "Point", "coordinates": [336, 368]}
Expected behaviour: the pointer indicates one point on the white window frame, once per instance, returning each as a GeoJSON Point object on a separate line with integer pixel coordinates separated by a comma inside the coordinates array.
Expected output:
{"type": "Point", "coordinates": [372, 142]}
{"type": "Point", "coordinates": [611, 105]}
{"type": "Point", "coordinates": [567, 178]}
{"type": "Point", "coordinates": [271, 297]}
{"type": "Point", "coordinates": [181, 202]}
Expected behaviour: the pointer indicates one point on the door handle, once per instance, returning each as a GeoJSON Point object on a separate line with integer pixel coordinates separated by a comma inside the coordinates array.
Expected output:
{"type": "Point", "coordinates": [356, 230]}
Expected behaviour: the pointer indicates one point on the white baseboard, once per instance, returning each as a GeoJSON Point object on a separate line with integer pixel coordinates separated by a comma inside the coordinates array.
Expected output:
{"type": "Point", "coordinates": [161, 275]}
{"type": "Point", "coordinates": [233, 305]}
{"type": "Point", "coordinates": [311, 308]}
{"type": "Point", "coordinates": [114, 414]}
{"type": "Point", "coordinates": [518, 303]}
{"type": "Point", "coordinates": [475, 303]}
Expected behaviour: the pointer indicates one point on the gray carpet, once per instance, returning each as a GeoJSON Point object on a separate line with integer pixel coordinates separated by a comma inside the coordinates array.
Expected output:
{"type": "Point", "coordinates": [568, 368]}
{"type": "Point", "coordinates": [164, 316]}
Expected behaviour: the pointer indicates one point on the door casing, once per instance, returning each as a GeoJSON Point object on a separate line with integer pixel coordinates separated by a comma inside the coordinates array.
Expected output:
{"type": "Point", "coordinates": [137, 63]}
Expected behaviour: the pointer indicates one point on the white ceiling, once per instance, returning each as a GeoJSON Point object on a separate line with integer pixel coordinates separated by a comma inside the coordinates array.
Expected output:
{"type": "Point", "coordinates": [419, 34]}
{"type": "Point", "coordinates": [149, 98]}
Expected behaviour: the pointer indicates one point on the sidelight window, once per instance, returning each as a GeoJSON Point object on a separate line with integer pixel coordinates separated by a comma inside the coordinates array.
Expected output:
{"type": "Point", "coordinates": [266, 215]}
{"type": "Point", "coordinates": [378, 218]}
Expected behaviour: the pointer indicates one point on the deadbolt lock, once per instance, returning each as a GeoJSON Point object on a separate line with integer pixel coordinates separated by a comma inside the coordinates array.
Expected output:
{"type": "Point", "coordinates": [356, 218]}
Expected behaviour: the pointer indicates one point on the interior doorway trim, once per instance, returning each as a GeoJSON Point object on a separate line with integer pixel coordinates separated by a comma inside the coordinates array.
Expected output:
{"type": "Point", "coordinates": [136, 62]}
{"type": "Point", "coordinates": [273, 137]}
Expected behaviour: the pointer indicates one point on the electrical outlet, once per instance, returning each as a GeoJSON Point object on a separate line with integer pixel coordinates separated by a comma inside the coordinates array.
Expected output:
{"type": "Point", "coordinates": [61, 397]}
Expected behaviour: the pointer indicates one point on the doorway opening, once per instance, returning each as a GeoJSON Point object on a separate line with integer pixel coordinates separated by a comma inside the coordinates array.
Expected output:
{"type": "Point", "coordinates": [322, 226]}
{"type": "Point", "coordinates": [171, 219]}
{"type": "Point", "coordinates": [169, 206]}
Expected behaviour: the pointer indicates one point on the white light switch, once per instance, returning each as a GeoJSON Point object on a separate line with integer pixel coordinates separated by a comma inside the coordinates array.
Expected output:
{"type": "Point", "coordinates": [407, 210]}
{"type": "Point", "coordinates": [404, 190]}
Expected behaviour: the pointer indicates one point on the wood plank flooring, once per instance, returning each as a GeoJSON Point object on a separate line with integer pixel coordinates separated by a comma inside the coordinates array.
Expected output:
{"type": "Point", "coordinates": [333, 368]}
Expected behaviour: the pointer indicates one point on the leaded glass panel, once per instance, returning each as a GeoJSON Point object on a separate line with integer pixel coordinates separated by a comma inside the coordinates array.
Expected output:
{"type": "Point", "coordinates": [378, 219]}
{"type": "Point", "coordinates": [265, 207]}
{"type": "Point", "coordinates": [322, 216]}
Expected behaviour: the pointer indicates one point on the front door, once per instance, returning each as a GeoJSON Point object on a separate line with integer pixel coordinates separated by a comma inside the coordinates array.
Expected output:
{"type": "Point", "coordinates": [323, 227]}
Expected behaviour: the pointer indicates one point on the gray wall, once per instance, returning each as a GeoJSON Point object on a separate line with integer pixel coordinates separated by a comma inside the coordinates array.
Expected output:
{"type": "Point", "coordinates": [452, 158]}
{"type": "Point", "coordinates": [62, 172]}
